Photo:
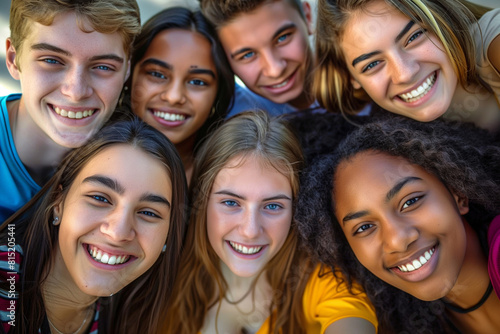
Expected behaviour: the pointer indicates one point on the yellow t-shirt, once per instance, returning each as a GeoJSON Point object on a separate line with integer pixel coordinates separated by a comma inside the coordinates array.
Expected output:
{"type": "Point", "coordinates": [326, 301]}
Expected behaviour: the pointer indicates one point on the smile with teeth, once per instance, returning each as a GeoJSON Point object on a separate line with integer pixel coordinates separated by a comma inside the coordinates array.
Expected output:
{"type": "Point", "coordinates": [281, 84]}
{"type": "Point", "coordinates": [420, 91]}
{"type": "Point", "coordinates": [416, 264]}
{"type": "Point", "coordinates": [73, 114]}
{"type": "Point", "coordinates": [103, 257]}
{"type": "Point", "coordinates": [243, 249]}
{"type": "Point", "coordinates": [168, 116]}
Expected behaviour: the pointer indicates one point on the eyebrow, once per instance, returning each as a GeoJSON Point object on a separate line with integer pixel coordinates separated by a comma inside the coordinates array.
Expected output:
{"type": "Point", "coordinates": [276, 34]}
{"type": "Point", "coordinates": [397, 39]}
{"type": "Point", "coordinates": [202, 71]}
{"type": "Point", "coordinates": [272, 198]}
{"type": "Point", "coordinates": [116, 187]}
{"type": "Point", "coordinates": [53, 48]}
{"type": "Point", "coordinates": [157, 62]}
{"type": "Point", "coordinates": [390, 194]}
{"type": "Point", "coordinates": [105, 181]}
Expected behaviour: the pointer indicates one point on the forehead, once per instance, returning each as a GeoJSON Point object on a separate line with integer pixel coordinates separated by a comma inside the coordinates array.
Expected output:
{"type": "Point", "coordinates": [368, 25]}
{"type": "Point", "coordinates": [194, 49]}
{"type": "Point", "coordinates": [260, 24]}
{"type": "Point", "coordinates": [373, 170]}
{"type": "Point", "coordinates": [66, 33]}
{"type": "Point", "coordinates": [252, 172]}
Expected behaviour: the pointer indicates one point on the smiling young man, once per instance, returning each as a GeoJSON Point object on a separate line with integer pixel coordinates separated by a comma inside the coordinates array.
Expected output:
{"type": "Point", "coordinates": [267, 45]}
{"type": "Point", "coordinates": [72, 59]}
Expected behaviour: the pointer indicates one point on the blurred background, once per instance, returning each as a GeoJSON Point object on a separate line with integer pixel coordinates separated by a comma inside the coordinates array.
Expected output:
{"type": "Point", "coordinates": [147, 7]}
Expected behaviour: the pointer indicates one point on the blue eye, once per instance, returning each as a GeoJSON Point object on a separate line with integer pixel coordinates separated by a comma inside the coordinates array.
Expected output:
{"type": "Point", "coordinates": [100, 198]}
{"type": "Point", "coordinates": [230, 203]}
{"type": "Point", "coordinates": [370, 66]}
{"type": "Point", "coordinates": [51, 61]}
{"type": "Point", "coordinates": [197, 82]}
{"type": "Point", "coordinates": [248, 55]}
{"type": "Point", "coordinates": [283, 38]}
{"type": "Point", "coordinates": [415, 36]}
{"type": "Point", "coordinates": [273, 206]}
{"type": "Point", "coordinates": [149, 214]}
{"type": "Point", "coordinates": [104, 68]}
{"type": "Point", "coordinates": [157, 74]}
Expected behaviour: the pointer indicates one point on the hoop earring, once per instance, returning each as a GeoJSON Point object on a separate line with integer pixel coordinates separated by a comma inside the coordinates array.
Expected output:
{"type": "Point", "coordinates": [55, 222]}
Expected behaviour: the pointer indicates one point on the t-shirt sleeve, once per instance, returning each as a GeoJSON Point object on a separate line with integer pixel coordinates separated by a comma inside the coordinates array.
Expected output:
{"type": "Point", "coordinates": [489, 25]}
{"type": "Point", "coordinates": [10, 260]}
{"type": "Point", "coordinates": [327, 300]}
{"type": "Point", "coordinates": [494, 255]}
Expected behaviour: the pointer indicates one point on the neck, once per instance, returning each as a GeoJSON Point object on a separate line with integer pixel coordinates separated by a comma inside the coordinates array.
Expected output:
{"type": "Point", "coordinates": [37, 151]}
{"type": "Point", "coordinates": [475, 104]}
{"type": "Point", "coordinates": [238, 287]}
{"type": "Point", "coordinates": [66, 306]}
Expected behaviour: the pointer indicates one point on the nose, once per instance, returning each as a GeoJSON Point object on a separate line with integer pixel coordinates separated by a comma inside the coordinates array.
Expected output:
{"type": "Point", "coordinates": [250, 227]}
{"type": "Point", "coordinates": [119, 226]}
{"type": "Point", "coordinates": [403, 68]}
{"type": "Point", "coordinates": [174, 93]}
{"type": "Point", "coordinates": [273, 64]}
{"type": "Point", "coordinates": [398, 234]}
{"type": "Point", "coordinates": [76, 84]}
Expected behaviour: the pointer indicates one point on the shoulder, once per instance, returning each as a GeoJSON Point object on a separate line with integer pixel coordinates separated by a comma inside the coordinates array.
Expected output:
{"type": "Point", "coordinates": [494, 254]}
{"type": "Point", "coordinates": [328, 298]}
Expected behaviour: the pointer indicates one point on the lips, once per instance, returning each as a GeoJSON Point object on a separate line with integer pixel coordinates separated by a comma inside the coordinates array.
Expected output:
{"type": "Point", "coordinates": [169, 116]}
{"type": "Point", "coordinates": [418, 262]}
{"type": "Point", "coordinates": [244, 249]}
{"type": "Point", "coordinates": [103, 257]}
{"type": "Point", "coordinates": [73, 114]}
{"type": "Point", "coordinates": [419, 92]}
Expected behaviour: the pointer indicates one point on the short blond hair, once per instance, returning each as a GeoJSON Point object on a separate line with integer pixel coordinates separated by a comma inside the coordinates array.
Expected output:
{"type": "Point", "coordinates": [104, 16]}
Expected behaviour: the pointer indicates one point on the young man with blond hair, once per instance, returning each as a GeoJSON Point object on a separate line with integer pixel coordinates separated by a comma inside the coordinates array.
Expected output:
{"type": "Point", "coordinates": [71, 58]}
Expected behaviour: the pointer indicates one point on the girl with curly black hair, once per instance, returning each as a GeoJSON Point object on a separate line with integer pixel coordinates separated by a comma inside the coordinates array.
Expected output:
{"type": "Point", "coordinates": [406, 213]}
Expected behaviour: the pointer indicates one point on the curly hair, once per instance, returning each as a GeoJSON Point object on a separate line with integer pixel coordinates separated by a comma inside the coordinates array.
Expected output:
{"type": "Point", "coordinates": [463, 157]}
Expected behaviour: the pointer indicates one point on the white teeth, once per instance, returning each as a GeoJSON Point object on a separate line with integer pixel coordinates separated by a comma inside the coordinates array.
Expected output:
{"type": "Point", "coordinates": [416, 264]}
{"type": "Point", "coordinates": [280, 85]}
{"type": "Point", "coordinates": [73, 114]}
{"type": "Point", "coordinates": [169, 117]}
{"type": "Point", "coordinates": [243, 249]}
{"type": "Point", "coordinates": [103, 257]}
{"type": "Point", "coordinates": [420, 91]}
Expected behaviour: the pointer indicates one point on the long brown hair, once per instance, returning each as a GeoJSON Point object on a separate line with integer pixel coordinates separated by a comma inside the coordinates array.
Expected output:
{"type": "Point", "coordinates": [450, 20]}
{"type": "Point", "coordinates": [137, 307]}
{"type": "Point", "coordinates": [200, 284]}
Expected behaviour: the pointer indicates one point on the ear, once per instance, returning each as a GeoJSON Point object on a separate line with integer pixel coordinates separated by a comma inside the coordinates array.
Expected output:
{"type": "Point", "coordinates": [306, 8]}
{"type": "Point", "coordinates": [11, 59]}
{"type": "Point", "coordinates": [128, 71]}
{"type": "Point", "coordinates": [462, 203]}
{"type": "Point", "coordinates": [355, 83]}
{"type": "Point", "coordinates": [58, 207]}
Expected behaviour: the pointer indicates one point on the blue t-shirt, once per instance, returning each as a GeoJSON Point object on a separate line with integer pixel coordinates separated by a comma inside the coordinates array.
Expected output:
{"type": "Point", "coordinates": [245, 99]}
{"type": "Point", "coordinates": [16, 185]}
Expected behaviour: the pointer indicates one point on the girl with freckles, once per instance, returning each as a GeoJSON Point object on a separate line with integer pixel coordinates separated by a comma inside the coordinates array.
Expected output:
{"type": "Point", "coordinates": [244, 270]}
{"type": "Point", "coordinates": [96, 250]}
{"type": "Point", "coordinates": [422, 59]}
{"type": "Point", "coordinates": [408, 210]}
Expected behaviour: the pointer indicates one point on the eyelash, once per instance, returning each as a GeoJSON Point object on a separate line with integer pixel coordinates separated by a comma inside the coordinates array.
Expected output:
{"type": "Point", "coordinates": [157, 75]}
{"type": "Point", "coordinates": [361, 230]}
{"type": "Point", "coordinates": [99, 198]}
{"type": "Point", "coordinates": [283, 37]}
{"type": "Point", "coordinates": [416, 35]}
{"type": "Point", "coordinates": [411, 202]}
{"type": "Point", "coordinates": [198, 82]}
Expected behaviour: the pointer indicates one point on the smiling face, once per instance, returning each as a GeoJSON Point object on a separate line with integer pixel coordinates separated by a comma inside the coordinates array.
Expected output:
{"type": "Point", "coordinates": [114, 221]}
{"type": "Point", "coordinates": [71, 80]}
{"type": "Point", "coordinates": [401, 66]}
{"type": "Point", "coordinates": [249, 214]}
{"type": "Point", "coordinates": [401, 222]}
{"type": "Point", "coordinates": [268, 50]}
{"type": "Point", "coordinates": [171, 91]}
